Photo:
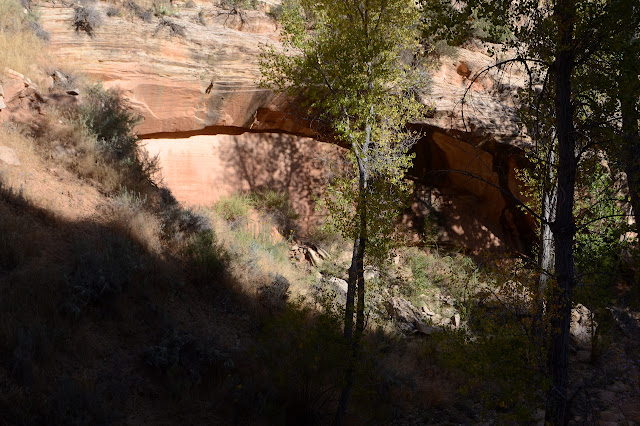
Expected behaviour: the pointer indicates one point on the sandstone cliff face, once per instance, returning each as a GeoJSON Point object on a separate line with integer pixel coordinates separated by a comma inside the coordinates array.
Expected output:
{"type": "Point", "coordinates": [210, 76]}
{"type": "Point", "coordinates": [205, 83]}
{"type": "Point", "coordinates": [166, 76]}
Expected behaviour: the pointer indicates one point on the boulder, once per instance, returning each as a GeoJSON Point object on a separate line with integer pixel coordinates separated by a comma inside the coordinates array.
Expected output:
{"type": "Point", "coordinates": [425, 329]}
{"type": "Point", "coordinates": [8, 156]}
{"type": "Point", "coordinates": [463, 70]}
{"type": "Point", "coordinates": [404, 313]}
{"type": "Point", "coordinates": [338, 285]}
{"type": "Point", "coordinates": [582, 325]}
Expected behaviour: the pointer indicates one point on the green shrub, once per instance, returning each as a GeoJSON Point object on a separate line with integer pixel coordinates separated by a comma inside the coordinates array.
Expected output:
{"type": "Point", "coordinates": [161, 9]}
{"type": "Point", "coordinates": [206, 258]}
{"type": "Point", "coordinates": [233, 208]}
{"type": "Point", "coordinates": [277, 206]}
{"type": "Point", "coordinates": [106, 115]}
{"type": "Point", "coordinates": [239, 4]}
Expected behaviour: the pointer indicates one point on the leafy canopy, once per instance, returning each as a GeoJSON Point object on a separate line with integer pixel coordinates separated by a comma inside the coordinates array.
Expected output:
{"type": "Point", "coordinates": [353, 63]}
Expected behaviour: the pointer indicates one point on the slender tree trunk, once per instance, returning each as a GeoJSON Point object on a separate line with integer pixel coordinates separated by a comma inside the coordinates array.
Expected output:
{"type": "Point", "coordinates": [545, 257]}
{"type": "Point", "coordinates": [628, 91]}
{"type": "Point", "coordinates": [356, 284]}
{"type": "Point", "coordinates": [563, 227]}
{"type": "Point", "coordinates": [546, 253]}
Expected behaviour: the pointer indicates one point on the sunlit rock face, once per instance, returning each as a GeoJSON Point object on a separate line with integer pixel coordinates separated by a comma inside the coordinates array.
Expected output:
{"type": "Point", "coordinates": [195, 91]}
{"type": "Point", "coordinates": [202, 168]}
{"type": "Point", "coordinates": [209, 77]}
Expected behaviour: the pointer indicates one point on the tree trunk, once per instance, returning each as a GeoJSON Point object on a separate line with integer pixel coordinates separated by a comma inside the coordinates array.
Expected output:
{"type": "Point", "coordinates": [546, 253]}
{"type": "Point", "coordinates": [545, 256]}
{"type": "Point", "coordinates": [631, 134]}
{"type": "Point", "coordinates": [356, 283]}
{"type": "Point", "coordinates": [563, 227]}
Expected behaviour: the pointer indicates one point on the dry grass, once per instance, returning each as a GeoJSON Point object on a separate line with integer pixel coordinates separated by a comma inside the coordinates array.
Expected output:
{"type": "Point", "coordinates": [133, 218]}
{"type": "Point", "coordinates": [259, 251]}
{"type": "Point", "coordinates": [21, 49]}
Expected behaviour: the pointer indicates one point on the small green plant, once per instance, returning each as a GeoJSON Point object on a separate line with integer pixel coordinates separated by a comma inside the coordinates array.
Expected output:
{"type": "Point", "coordinates": [239, 4]}
{"type": "Point", "coordinates": [161, 9]}
{"type": "Point", "coordinates": [207, 259]}
{"type": "Point", "coordinates": [233, 208]}
{"type": "Point", "coordinates": [277, 206]}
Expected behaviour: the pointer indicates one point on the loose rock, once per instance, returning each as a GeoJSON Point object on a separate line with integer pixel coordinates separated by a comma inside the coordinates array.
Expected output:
{"type": "Point", "coordinates": [8, 156]}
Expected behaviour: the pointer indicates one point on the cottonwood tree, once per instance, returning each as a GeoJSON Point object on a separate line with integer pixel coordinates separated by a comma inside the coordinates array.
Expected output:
{"type": "Point", "coordinates": [560, 42]}
{"type": "Point", "coordinates": [349, 61]}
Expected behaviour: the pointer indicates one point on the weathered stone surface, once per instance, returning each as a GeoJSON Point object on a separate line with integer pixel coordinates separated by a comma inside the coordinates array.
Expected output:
{"type": "Point", "coordinates": [403, 312]}
{"type": "Point", "coordinates": [582, 325]}
{"type": "Point", "coordinates": [186, 86]}
{"type": "Point", "coordinates": [339, 285]}
{"type": "Point", "coordinates": [422, 328]}
{"type": "Point", "coordinates": [22, 99]}
{"type": "Point", "coordinates": [210, 76]}
{"type": "Point", "coordinates": [8, 156]}
{"type": "Point", "coordinates": [166, 78]}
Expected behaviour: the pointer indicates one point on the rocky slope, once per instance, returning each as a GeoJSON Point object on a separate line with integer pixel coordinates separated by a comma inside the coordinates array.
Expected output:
{"type": "Point", "coordinates": [198, 75]}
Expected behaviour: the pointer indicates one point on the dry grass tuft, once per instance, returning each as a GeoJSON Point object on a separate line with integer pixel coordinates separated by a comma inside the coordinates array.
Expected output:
{"type": "Point", "coordinates": [21, 51]}
{"type": "Point", "coordinates": [21, 39]}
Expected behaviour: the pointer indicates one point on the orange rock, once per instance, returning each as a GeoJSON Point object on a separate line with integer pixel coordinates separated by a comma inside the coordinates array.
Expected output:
{"type": "Point", "coordinates": [463, 70]}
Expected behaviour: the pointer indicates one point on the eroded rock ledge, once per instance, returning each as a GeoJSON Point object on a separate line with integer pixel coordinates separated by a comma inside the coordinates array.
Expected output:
{"type": "Point", "coordinates": [206, 83]}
